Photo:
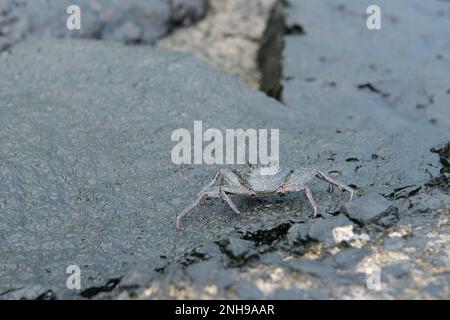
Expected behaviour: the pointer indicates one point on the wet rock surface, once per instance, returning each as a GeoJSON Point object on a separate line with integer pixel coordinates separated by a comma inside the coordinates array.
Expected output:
{"type": "Point", "coordinates": [130, 21]}
{"type": "Point", "coordinates": [86, 176]}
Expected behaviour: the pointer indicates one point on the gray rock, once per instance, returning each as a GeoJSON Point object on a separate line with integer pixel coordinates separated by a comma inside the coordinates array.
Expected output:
{"type": "Point", "coordinates": [28, 293]}
{"type": "Point", "coordinates": [314, 267]}
{"type": "Point", "coordinates": [247, 290]}
{"type": "Point", "coordinates": [404, 192]}
{"type": "Point", "coordinates": [318, 294]}
{"type": "Point", "coordinates": [225, 279]}
{"type": "Point", "coordinates": [349, 258]}
{"type": "Point", "coordinates": [393, 243]}
{"type": "Point", "coordinates": [369, 120]}
{"type": "Point", "coordinates": [370, 209]}
{"type": "Point", "coordinates": [273, 258]}
{"type": "Point", "coordinates": [322, 230]}
{"type": "Point", "coordinates": [366, 120]}
{"type": "Point", "coordinates": [237, 248]}
{"type": "Point", "coordinates": [86, 176]}
{"type": "Point", "coordinates": [396, 270]}
{"type": "Point", "coordinates": [126, 21]}
{"type": "Point", "coordinates": [290, 294]}
{"type": "Point", "coordinates": [444, 153]}
{"type": "Point", "coordinates": [374, 70]}
{"type": "Point", "coordinates": [202, 271]}
{"type": "Point", "coordinates": [330, 72]}
{"type": "Point", "coordinates": [137, 277]}
{"type": "Point", "coordinates": [185, 12]}
{"type": "Point", "coordinates": [389, 220]}
{"type": "Point", "coordinates": [239, 251]}
{"type": "Point", "coordinates": [205, 252]}
{"type": "Point", "coordinates": [441, 259]}
{"type": "Point", "coordinates": [298, 233]}
{"type": "Point", "coordinates": [436, 290]}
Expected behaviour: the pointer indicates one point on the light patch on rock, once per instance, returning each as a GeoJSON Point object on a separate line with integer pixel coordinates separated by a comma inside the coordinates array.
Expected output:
{"type": "Point", "coordinates": [400, 233]}
{"type": "Point", "coordinates": [273, 282]}
{"type": "Point", "coordinates": [228, 37]}
{"type": "Point", "coordinates": [395, 235]}
{"type": "Point", "coordinates": [380, 259]}
{"type": "Point", "coordinates": [345, 233]}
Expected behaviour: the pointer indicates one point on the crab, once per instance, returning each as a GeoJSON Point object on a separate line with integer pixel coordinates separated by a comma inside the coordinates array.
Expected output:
{"type": "Point", "coordinates": [262, 182]}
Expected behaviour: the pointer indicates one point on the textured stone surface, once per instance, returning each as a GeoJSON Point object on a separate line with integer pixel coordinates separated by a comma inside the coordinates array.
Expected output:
{"type": "Point", "coordinates": [129, 21]}
{"type": "Point", "coordinates": [243, 38]}
{"type": "Point", "coordinates": [322, 230]}
{"type": "Point", "coordinates": [369, 209]}
{"type": "Point", "coordinates": [398, 68]}
{"type": "Point", "coordinates": [86, 176]}
{"type": "Point", "coordinates": [237, 248]}
{"type": "Point", "coordinates": [298, 233]}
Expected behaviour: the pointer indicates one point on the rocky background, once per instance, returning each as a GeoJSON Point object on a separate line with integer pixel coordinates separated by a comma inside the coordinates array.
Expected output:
{"type": "Point", "coordinates": [86, 177]}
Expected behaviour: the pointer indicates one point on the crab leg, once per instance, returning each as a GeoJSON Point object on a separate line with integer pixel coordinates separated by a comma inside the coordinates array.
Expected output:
{"type": "Point", "coordinates": [188, 209]}
{"type": "Point", "coordinates": [311, 200]}
{"type": "Point", "coordinates": [213, 181]}
{"type": "Point", "coordinates": [230, 202]}
{"type": "Point", "coordinates": [330, 180]}
{"type": "Point", "coordinates": [330, 188]}
{"type": "Point", "coordinates": [300, 187]}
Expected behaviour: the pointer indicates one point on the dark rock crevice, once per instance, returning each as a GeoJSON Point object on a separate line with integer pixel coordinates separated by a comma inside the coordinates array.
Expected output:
{"type": "Point", "coordinates": [270, 53]}
{"type": "Point", "coordinates": [295, 29]}
{"type": "Point", "coordinates": [267, 236]}
{"type": "Point", "coordinates": [187, 13]}
{"type": "Point", "coordinates": [444, 155]}
{"type": "Point", "coordinates": [93, 291]}
{"type": "Point", "coordinates": [443, 181]}
{"type": "Point", "coordinates": [369, 86]}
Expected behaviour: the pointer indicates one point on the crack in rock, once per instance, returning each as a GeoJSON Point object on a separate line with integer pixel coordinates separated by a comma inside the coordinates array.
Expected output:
{"type": "Point", "coordinates": [294, 29]}
{"type": "Point", "coordinates": [443, 181]}
{"type": "Point", "coordinates": [239, 251]}
{"type": "Point", "coordinates": [371, 87]}
{"type": "Point", "coordinates": [267, 236]}
{"type": "Point", "coordinates": [404, 192]}
{"type": "Point", "coordinates": [270, 54]}
{"type": "Point", "coordinates": [443, 151]}
{"type": "Point", "coordinates": [89, 293]}
{"type": "Point", "coordinates": [28, 293]}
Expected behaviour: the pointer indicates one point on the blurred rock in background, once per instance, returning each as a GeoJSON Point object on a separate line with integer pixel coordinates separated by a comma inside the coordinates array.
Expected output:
{"type": "Point", "coordinates": [240, 37]}
{"type": "Point", "coordinates": [129, 21]}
